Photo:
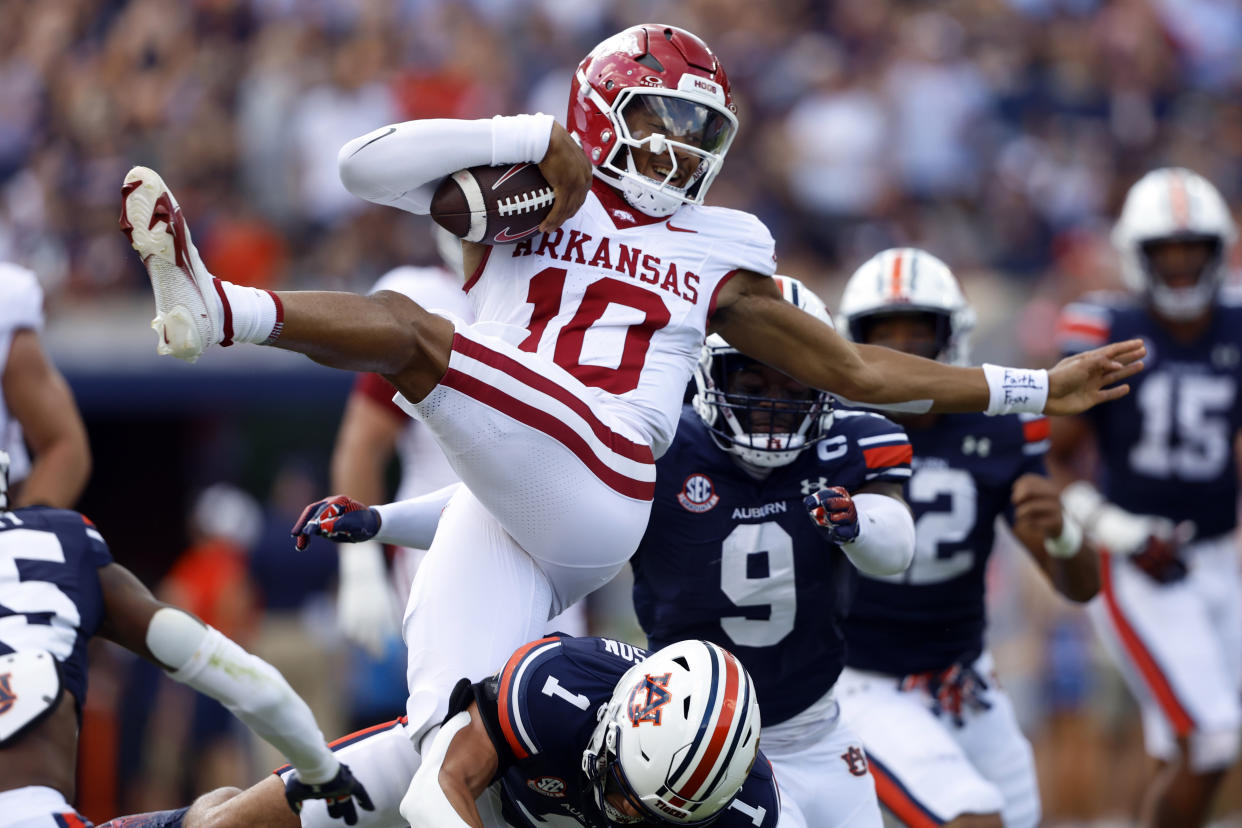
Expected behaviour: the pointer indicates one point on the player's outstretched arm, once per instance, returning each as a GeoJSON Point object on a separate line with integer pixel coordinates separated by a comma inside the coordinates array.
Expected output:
{"type": "Point", "coordinates": [752, 317]}
{"type": "Point", "coordinates": [410, 522]}
{"type": "Point", "coordinates": [253, 691]}
{"type": "Point", "coordinates": [456, 769]}
{"type": "Point", "coordinates": [1053, 538]}
{"type": "Point", "coordinates": [42, 403]}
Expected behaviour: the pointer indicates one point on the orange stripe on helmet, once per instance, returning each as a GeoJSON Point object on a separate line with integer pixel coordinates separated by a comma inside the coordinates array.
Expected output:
{"type": "Point", "coordinates": [894, 279]}
{"type": "Point", "coordinates": [1179, 200]}
{"type": "Point", "coordinates": [729, 712]}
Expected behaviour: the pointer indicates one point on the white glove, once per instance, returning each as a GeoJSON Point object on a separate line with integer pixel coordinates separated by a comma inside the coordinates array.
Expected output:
{"type": "Point", "coordinates": [1113, 529]}
{"type": "Point", "coordinates": [366, 602]}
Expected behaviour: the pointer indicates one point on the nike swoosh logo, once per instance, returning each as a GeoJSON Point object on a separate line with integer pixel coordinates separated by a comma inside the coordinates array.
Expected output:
{"type": "Point", "coordinates": [509, 174]}
{"type": "Point", "coordinates": [504, 236]}
{"type": "Point", "coordinates": [390, 131]}
{"type": "Point", "coordinates": [670, 226]}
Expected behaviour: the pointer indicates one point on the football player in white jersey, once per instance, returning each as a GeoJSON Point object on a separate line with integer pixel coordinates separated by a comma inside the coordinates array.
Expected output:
{"type": "Point", "coordinates": [553, 406]}
{"type": "Point", "coordinates": [36, 405]}
{"type": "Point", "coordinates": [372, 428]}
{"type": "Point", "coordinates": [1166, 507]}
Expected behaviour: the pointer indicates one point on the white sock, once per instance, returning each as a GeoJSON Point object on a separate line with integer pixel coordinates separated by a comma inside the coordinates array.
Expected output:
{"type": "Point", "coordinates": [249, 314]}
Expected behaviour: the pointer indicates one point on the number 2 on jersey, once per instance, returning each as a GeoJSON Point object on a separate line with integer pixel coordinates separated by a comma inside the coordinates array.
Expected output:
{"type": "Point", "coordinates": [940, 551]}
{"type": "Point", "coordinates": [546, 294]}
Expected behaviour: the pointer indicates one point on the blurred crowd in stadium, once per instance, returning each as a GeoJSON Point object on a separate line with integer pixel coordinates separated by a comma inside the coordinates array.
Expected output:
{"type": "Point", "coordinates": [999, 134]}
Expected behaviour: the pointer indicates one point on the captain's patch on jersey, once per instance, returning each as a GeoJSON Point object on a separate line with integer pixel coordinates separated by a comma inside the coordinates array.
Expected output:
{"type": "Point", "coordinates": [697, 494]}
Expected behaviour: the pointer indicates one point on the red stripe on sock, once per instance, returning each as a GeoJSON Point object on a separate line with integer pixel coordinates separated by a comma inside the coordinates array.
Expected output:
{"type": "Point", "coordinates": [228, 313]}
{"type": "Point", "coordinates": [280, 319]}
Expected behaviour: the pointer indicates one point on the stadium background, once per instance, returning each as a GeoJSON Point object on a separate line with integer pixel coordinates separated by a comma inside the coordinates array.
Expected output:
{"type": "Point", "coordinates": [999, 134]}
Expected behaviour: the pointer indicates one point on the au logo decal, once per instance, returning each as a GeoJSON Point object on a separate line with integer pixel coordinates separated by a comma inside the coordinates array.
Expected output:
{"type": "Point", "coordinates": [648, 698]}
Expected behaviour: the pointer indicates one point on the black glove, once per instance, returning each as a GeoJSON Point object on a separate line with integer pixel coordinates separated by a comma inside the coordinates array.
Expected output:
{"type": "Point", "coordinates": [338, 793]}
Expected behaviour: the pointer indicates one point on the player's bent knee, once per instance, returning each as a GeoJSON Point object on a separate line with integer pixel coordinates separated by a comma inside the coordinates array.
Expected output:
{"type": "Point", "coordinates": [424, 337]}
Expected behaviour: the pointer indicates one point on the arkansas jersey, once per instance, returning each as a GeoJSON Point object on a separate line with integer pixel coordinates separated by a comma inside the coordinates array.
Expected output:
{"type": "Point", "coordinates": [547, 697]}
{"type": "Point", "coordinates": [50, 597]}
{"type": "Point", "coordinates": [1167, 446]}
{"type": "Point", "coordinates": [21, 308]}
{"type": "Point", "coordinates": [621, 306]}
{"type": "Point", "coordinates": [737, 561]}
{"type": "Point", "coordinates": [933, 614]}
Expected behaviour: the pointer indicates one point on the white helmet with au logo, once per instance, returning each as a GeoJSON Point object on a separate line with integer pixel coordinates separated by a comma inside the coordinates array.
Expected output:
{"type": "Point", "coordinates": [678, 737]}
{"type": "Point", "coordinates": [761, 430]}
{"type": "Point", "coordinates": [1174, 204]}
{"type": "Point", "coordinates": [906, 280]}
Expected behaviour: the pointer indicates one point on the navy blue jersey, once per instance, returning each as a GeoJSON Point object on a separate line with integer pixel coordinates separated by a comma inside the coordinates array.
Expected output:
{"type": "Point", "coordinates": [549, 694]}
{"type": "Point", "coordinates": [1167, 447]}
{"type": "Point", "coordinates": [933, 614]}
{"type": "Point", "coordinates": [50, 598]}
{"type": "Point", "coordinates": [738, 561]}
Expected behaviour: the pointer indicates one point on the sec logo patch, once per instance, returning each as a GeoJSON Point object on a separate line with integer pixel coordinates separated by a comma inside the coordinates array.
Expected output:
{"type": "Point", "coordinates": [697, 494]}
{"type": "Point", "coordinates": [547, 785]}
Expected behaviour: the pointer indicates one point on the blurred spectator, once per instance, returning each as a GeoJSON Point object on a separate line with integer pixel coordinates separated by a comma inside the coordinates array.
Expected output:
{"type": "Point", "coordinates": [296, 633]}
{"type": "Point", "coordinates": [189, 742]}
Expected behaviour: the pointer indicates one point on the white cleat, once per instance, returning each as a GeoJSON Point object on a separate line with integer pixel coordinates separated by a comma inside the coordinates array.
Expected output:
{"type": "Point", "coordinates": [187, 312]}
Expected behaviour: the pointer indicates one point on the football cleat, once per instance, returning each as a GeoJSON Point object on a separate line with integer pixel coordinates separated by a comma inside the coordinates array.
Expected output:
{"type": "Point", "coordinates": [187, 312]}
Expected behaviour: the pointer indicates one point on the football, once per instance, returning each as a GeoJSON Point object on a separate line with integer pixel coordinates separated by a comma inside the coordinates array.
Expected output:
{"type": "Point", "coordinates": [492, 205]}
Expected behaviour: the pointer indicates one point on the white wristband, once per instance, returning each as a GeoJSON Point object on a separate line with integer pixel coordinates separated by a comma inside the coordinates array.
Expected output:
{"type": "Point", "coordinates": [1015, 390]}
{"type": "Point", "coordinates": [1067, 544]}
{"type": "Point", "coordinates": [518, 138]}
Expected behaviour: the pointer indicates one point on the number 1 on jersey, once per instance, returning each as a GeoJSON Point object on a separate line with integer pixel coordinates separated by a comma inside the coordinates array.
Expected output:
{"type": "Point", "coordinates": [553, 688]}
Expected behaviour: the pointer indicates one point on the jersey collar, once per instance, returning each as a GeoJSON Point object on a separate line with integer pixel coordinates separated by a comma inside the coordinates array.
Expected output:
{"type": "Point", "coordinates": [619, 210]}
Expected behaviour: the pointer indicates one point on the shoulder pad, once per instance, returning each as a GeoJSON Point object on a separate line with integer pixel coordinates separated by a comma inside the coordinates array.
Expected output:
{"type": "Point", "coordinates": [514, 679]}
{"type": "Point", "coordinates": [1230, 296]}
{"type": "Point", "coordinates": [1085, 324]}
{"type": "Point", "coordinates": [21, 298]}
{"type": "Point", "coordinates": [885, 447]}
{"type": "Point", "coordinates": [738, 239]}
{"type": "Point", "coordinates": [1036, 433]}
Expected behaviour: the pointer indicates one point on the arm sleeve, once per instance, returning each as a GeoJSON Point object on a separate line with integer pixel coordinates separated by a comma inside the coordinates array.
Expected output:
{"type": "Point", "coordinates": [413, 522]}
{"type": "Point", "coordinates": [400, 165]}
{"type": "Point", "coordinates": [253, 690]}
{"type": "Point", "coordinates": [885, 544]}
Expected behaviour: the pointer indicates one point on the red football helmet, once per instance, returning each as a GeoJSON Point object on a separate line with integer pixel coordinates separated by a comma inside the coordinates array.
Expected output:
{"type": "Point", "coordinates": [670, 78]}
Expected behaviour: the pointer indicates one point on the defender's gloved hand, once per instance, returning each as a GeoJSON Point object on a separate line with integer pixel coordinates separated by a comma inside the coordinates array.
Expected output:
{"type": "Point", "coordinates": [833, 511]}
{"type": "Point", "coordinates": [338, 518]}
{"type": "Point", "coordinates": [338, 793]}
